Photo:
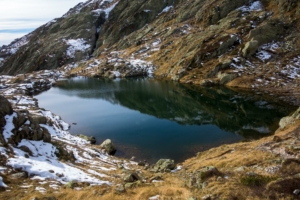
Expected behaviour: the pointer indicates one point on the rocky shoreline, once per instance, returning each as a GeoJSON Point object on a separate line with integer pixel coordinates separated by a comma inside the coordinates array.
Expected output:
{"type": "Point", "coordinates": [36, 143]}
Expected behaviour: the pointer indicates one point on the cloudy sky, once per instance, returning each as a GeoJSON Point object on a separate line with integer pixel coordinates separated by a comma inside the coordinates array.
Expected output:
{"type": "Point", "coordinates": [19, 17]}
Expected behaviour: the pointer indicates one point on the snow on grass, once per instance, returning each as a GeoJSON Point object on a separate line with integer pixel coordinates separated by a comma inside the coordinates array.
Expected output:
{"type": "Point", "coordinates": [166, 9]}
{"type": "Point", "coordinates": [41, 189]}
{"type": "Point", "coordinates": [9, 126]}
{"type": "Point", "coordinates": [2, 184]}
{"type": "Point", "coordinates": [13, 47]}
{"type": "Point", "coordinates": [263, 55]}
{"type": "Point", "coordinates": [44, 164]}
{"type": "Point", "coordinates": [76, 45]}
{"type": "Point", "coordinates": [154, 197]}
{"type": "Point", "coordinates": [142, 65]}
{"type": "Point", "coordinates": [255, 6]}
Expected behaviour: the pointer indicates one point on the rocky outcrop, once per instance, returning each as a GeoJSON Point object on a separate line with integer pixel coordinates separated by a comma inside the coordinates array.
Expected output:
{"type": "Point", "coordinates": [61, 41]}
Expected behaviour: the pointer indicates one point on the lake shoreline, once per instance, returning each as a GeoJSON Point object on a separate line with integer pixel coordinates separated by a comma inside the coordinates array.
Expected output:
{"type": "Point", "coordinates": [215, 156]}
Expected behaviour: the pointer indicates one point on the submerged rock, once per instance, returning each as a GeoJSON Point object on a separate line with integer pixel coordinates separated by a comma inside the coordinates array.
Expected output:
{"type": "Point", "coordinates": [109, 147]}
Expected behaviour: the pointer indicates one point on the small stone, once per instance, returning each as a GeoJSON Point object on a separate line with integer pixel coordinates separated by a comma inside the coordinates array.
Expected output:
{"type": "Point", "coordinates": [26, 149]}
{"type": "Point", "coordinates": [120, 188]}
{"type": "Point", "coordinates": [19, 175]}
{"type": "Point", "coordinates": [207, 197]}
{"type": "Point", "coordinates": [296, 192]}
{"type": "Point", "coordinates": [240, 169]}
{"type": "Point", "coordinates": [59, 175]}
{"type": "Point", "coordinates": [51, 171]}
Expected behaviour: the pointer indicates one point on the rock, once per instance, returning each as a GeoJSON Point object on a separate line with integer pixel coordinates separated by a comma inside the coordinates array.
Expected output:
{"type": "Point", "coordinates": [37, 119]}
{"type": "Point", "coordinates": [59, 175]}
{"type": "Point", "coordinates": [156, 178]}
{"type": "Point", "coordinates": [221, 66]}
{"type": "Point", "coordinates": [285, 121]}
{"type": "Point", "coordinates": [240, 169]}
{"type": "Point", "coordinates": [209, 82]}
{"type": "Point", "coordinates": [208, 172]}
{"type": "Point", "coordinates": [132, 185]}
{"type": "Point", "coordinates": [26, 149]}
{"type": "Point", "coordinates": [142, 163]}
{"type": "Point", "coordinates": [19, 175]}
{"type": "Point", "coordinates": [120, 189]}
{"type": "Point", "coordinates": [164, 165]}
{"type": "Point", "coordinates": [130, 178]}
{"type": "Point", "coordinates": [192, 198]}
{"type": "Point", "coordinates": [250, 48]}
{"type": "Point", "coordinates": [72, 184]}
{"type": "Point", "coordinates": [91, 139]}
{"type": "Point", "coordinates": [226, 78]}
{"type": "Point", "coordinates": [5, 107]}
{"type": "Point", "coordinates": [296, 192]}
{"type": "Point", "coordinates": [207, 197]}
{"type": "Point", "coordinates": [277, 138]}
{"type": "Point", "coordinates": [109, 147]}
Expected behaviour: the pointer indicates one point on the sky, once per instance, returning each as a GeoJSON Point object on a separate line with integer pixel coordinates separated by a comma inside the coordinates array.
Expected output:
{"type": "Point", "coordinates": [19, 17]}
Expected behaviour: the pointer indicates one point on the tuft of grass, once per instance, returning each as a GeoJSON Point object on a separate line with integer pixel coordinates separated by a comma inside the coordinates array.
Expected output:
{"type": "Point", "coordinates": [256, 180]}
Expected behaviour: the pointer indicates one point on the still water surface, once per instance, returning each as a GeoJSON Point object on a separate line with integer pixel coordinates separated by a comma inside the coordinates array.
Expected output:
{"type": "Point", "coordinates": [152, 119]}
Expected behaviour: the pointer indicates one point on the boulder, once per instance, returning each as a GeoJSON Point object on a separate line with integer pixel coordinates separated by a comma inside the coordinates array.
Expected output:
{"type": "Point", "coordinates": [250, 48]}
{"type": "Point", "coordinates": [130, 178]}
{"type": "Point", "coordinates": [119, 189]}
{"type": "Point", "coordinates": [5, 107]}
{"type": "Point", "coordinates": [164, 165]}
{"type": "Point", "coordinates": [91, 139]}
{"type": "Point", "coordinates": [208, 172]}
{"type": "Point", "coordinates": [37, 119]}
{"type": "Point", "coordinates": [109, 147]}
{"type": "Point", "coordinates": [285, 121]}
{"type": "Point", "coordinates": [226, 78]}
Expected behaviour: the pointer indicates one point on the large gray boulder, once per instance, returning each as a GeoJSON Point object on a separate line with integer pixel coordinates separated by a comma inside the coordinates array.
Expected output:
{"type": "Point", "coordinates": [109, 147]}
{"type": "Point", "coordinates": [164, 165]}
{"type": "Point", "coordinates": [250, 48]}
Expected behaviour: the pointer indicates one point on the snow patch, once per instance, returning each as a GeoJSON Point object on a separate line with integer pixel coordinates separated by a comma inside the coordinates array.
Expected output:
{"type": "Point", "coordinates": [2, 184]}
{"type": "Point", "coordinates": [76, 45]}
{"type": "Point", "coordinates": [255, 6]}
{"type": "Point", "coordinates": [166, 9]}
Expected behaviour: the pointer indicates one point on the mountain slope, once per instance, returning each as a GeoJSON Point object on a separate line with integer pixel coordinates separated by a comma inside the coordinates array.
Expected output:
{"type": "Point", "coordinates": [251, 44]}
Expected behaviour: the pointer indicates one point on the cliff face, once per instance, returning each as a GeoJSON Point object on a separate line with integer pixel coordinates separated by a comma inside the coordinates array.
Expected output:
{"type": "Point", "coordinates": [252, 44]}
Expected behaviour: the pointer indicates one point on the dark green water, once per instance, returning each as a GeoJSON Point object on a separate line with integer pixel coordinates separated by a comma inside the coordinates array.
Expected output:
{"type": "Point", "coordinates": [152, 119]}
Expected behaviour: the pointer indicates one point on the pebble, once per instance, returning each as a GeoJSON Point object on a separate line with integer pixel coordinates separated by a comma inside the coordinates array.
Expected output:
{"type": "Point", "coordinates": [296, 192]}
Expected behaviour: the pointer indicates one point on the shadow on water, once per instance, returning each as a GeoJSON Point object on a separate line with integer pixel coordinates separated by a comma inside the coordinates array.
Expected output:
{"type": "Point", "coordinates": [188, 118]}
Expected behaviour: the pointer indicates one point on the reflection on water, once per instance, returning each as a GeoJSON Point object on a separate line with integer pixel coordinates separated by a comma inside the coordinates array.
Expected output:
{"type": "Point", "coordinates": [152, 119]}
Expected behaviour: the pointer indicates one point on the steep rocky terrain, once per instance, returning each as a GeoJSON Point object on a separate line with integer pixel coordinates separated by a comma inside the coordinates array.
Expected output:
{"type": "Point", "coordinates": [250, 44]}
{"type": "Point", "coordinates": [242, 43]}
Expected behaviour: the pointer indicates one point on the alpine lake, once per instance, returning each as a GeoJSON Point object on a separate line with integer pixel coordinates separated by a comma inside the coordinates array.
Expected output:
{"type": "Point", "coordinates": [152, 119]}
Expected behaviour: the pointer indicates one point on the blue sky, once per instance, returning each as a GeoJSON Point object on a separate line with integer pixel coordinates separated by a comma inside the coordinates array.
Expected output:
{"type": "Point", "coordinates": [19, 17]}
